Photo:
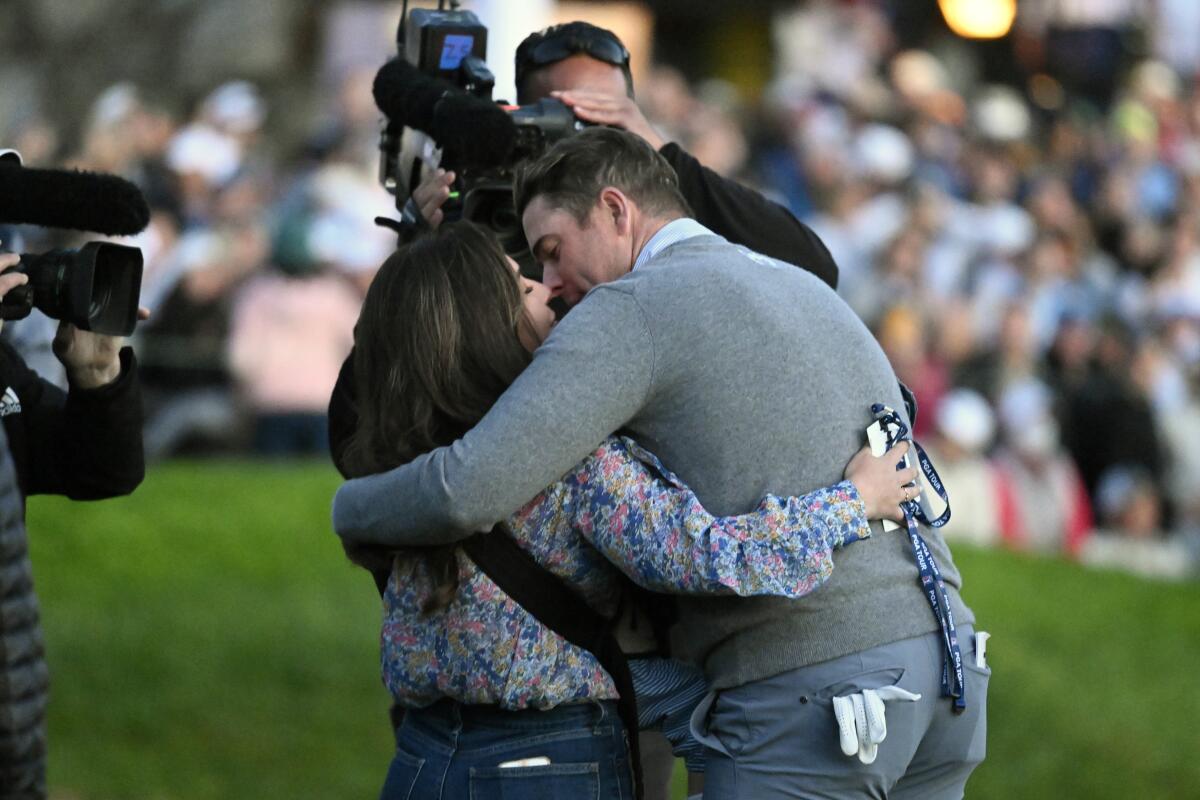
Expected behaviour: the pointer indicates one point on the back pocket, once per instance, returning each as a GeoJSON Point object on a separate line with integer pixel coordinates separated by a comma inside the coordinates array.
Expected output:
{"type": "Point", "coordinates": [871, 679]}
{"type": "Point", "coordinates": [548, 782]}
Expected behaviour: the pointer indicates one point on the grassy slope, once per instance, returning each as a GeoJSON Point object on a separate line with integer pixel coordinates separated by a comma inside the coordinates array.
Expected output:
{"type": "Point", "coordinates": [207, 640]}
{"type": "Point", "coordinates": [1093, 682]}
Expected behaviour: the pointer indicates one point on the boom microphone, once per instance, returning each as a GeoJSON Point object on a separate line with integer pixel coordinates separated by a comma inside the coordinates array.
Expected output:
{"type": "Point", "coordinates": [472, 131]}
{"type": "Point", "coordinates": [85, 201]}
{"type": "Point", "coordinates": [406, 96]}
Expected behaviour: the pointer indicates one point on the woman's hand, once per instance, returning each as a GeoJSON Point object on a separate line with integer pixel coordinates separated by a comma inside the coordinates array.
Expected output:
{"type": "Point", "coordinates": [882, 487]}
{"type": "Point", "coordinates": [431, 194]}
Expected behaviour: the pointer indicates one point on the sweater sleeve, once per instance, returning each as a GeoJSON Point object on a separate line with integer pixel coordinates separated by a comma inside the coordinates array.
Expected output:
{"type": "Point", "coordinates": [745, 217]}
{"type": "Point", "coordinates": [652, 526]}
{"type": "Point", "coordinates": [590, 377]}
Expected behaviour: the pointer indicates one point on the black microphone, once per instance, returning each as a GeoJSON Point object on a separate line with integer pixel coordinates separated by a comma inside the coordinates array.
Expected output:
{"type": "Point", "coordinates": [472, 131]}
{"type": "Point", "coordinates": [85, 201]}
{"type": "Point", "coordinates": [406, 95]}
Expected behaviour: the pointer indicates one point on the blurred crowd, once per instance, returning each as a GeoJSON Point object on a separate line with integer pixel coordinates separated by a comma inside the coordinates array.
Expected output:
{"type": "Point", "coordinates": [256, 261]}
{"type": "Point", "coordinates": [1027, 253]}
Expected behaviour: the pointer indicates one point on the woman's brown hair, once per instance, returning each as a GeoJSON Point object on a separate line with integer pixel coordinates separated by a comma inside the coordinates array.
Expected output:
{"type": "Point", "coordinates": [437, 342]}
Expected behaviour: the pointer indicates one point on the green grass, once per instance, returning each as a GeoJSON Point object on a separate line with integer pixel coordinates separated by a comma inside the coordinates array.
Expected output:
{"type": "Point", "coordinates": [208, 640]}
{"type": "Point", "coordinates": [1093, 681]}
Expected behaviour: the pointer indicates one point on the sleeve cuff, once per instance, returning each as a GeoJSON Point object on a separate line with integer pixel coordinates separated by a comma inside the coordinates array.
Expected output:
{"type": "Point", "coordinates": [842, 508]}
{"type": "Point", "coordinates": [117, 387]}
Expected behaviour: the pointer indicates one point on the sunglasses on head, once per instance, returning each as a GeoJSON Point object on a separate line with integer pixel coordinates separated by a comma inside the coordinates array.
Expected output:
{"type": "Point", "coordinates": [598, 46]}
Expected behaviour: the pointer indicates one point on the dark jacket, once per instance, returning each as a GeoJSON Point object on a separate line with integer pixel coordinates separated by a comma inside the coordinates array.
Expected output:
{"type": "Point", "coordinates": [85, 444]}
{"type": "Point", "coordinates": [745, 217]}
{"type": "Point", "coordinates": [23, 675]}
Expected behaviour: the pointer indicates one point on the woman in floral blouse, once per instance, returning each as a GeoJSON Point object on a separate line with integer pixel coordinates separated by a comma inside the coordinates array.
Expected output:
{"type": "Point", "coordinates": [497, 704]}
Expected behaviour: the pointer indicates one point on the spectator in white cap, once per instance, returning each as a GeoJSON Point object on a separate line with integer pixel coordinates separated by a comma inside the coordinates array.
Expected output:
{"type": "Point", "coordinates": [964, 429]}
{"type": "Point", "coordinates": [1043, 504]}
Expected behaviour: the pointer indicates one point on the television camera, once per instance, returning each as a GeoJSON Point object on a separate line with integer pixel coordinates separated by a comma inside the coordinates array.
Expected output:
{"type": "Point", "coordinates": [441, 86]}
{"type": "Point", "coordinates": [96, 287]}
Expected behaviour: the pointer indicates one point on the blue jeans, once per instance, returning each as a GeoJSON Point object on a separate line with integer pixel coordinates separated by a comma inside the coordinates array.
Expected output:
{"type": "Point", "coordinates": [454, 752]}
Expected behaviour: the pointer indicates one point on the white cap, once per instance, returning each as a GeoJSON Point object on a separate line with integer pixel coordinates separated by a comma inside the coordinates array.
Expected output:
{"type": "Point", "coordinates": [236, 107]}
{"type": "Point", "coordinates": [965, 418]}
{"type": "Point", "coordinates": [883, 153]}
{"type": "Point", "coordinates": [1001, 114]}
{"type": "Point", "coordinates": [205, 151]}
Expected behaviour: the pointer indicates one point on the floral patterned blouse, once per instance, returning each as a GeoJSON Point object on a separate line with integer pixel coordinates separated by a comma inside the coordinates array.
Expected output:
{"type": "Point", "coordinates": [619, 511]}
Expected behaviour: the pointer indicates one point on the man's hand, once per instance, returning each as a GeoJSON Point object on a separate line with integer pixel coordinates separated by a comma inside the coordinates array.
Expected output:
{"type": "Point", "coordinates": [861, 721]}
{"type": "Point", "coordinates": [431, 194]}
{"type": "Point", "coordinates": [10, 280]}
{"type": "Point", "coordinates": [92, 359]}
{"type": "Point", "coordinates": [618, 111]}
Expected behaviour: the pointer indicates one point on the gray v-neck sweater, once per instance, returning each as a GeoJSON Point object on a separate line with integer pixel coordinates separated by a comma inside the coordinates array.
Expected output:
{"type": "Point", "coordinates": [745, 376]}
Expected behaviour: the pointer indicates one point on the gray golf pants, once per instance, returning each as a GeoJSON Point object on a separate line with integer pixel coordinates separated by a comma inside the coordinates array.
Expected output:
{"type": "Point", "coordinates": [778, 737]}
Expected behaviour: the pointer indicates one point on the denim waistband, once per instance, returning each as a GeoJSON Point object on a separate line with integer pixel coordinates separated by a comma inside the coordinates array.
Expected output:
{"type": "Point", "coordinates": [447, 714]}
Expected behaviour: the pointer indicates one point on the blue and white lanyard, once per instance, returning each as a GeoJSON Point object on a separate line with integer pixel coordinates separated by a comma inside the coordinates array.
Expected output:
{"type": "Point", "coordinates": [954, 683]}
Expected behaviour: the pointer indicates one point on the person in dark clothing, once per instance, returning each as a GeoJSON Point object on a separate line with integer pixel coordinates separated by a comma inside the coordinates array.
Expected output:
{"type": "Point", "coordinates": [587, 68]}
{"type": "Point", "coordinates": [86, 444]}
{"type": "Point", "coordinates": [23, 675]}
{"type": "Point", "coordinates": [1107, 421]}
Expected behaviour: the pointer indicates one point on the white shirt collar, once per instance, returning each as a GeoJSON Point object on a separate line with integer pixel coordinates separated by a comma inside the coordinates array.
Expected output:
{"type": "Point", "coordinates": [673, 232]}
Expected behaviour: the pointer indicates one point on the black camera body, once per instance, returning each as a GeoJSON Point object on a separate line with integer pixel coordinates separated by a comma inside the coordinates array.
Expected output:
{"type": "Point", "coordinates": [95, 288]}
{"type": "Point", "coordinates": [451, 47]}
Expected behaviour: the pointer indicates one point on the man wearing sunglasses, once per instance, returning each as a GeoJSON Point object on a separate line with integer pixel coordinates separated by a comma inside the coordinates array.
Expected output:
{"type": "Point", "coordinates": [587, 68]}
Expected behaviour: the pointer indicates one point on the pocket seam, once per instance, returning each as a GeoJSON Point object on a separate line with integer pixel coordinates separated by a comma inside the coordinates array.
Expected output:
{"type": "Point", "coordinates": [561, 768]}
{"type": "Point", "coordinates": [413, 761]}
{"type": "Point", "coordinates": [969, 665]}
{"type": "Point", "coordinates": [417, 763]}
{"type": "Point", "coordinates": [852, 683]}
{"type": "Point", "coordinates": [536, 740]}
{"type": "Point", "coordinates": [588, 770]}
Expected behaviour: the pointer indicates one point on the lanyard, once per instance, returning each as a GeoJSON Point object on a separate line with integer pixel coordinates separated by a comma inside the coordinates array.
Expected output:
{"type": "Point", "coordinates": [954, 683]}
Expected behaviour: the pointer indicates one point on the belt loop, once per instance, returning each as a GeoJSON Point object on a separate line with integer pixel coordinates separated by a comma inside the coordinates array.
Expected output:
{"type": "Point", "coordinates": [599, 715]}
{"type": "Point", "coordinates": [456, 718]}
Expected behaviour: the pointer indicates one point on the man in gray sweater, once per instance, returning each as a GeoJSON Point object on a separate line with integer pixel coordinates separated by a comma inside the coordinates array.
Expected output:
{"type": "Point", "coordinates": [745, 376]}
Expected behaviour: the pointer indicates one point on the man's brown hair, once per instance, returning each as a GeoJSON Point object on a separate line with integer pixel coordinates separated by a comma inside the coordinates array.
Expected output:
{"type": "Point", "coordinates": [571, 175]}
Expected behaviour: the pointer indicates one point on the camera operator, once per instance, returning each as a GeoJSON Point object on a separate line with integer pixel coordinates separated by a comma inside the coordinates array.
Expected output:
{"type": "Point", "coordinates": [86, 444]}
{"type": "Point", "coordinates": [587, 68]}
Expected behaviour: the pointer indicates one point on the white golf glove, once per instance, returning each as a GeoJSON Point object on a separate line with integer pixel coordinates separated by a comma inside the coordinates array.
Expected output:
{"type": "Point", "coordinates": [861, 723]}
